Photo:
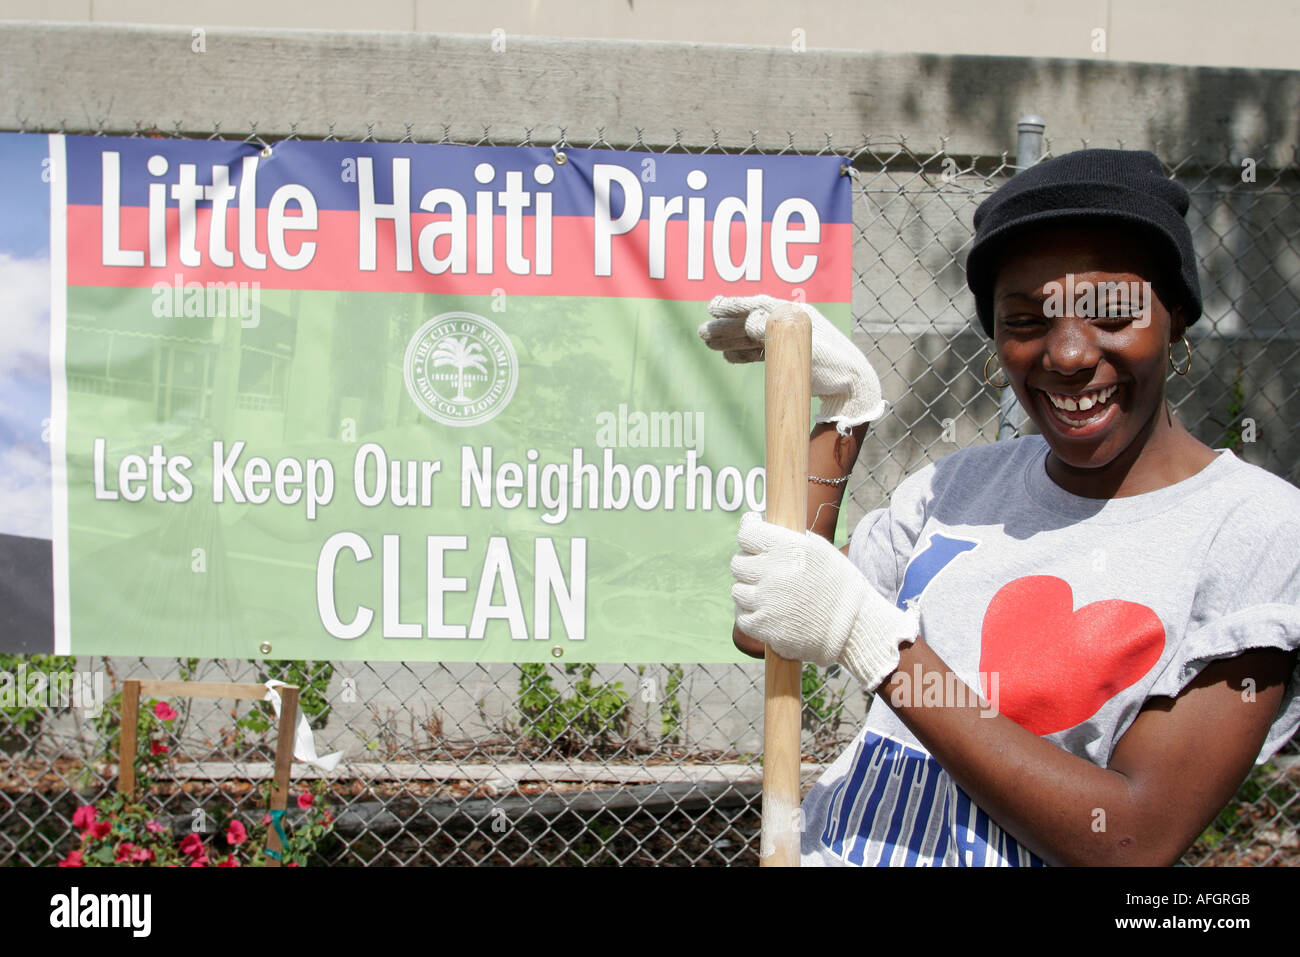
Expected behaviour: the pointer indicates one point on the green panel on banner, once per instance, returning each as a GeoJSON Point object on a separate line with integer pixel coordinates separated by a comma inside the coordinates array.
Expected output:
{"type": "Point", "coordinates": [619, 394]}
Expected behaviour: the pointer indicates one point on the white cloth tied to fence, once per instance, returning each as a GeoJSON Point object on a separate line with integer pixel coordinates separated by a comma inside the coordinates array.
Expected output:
{"type": "Point", "coordinates": [304, 744]}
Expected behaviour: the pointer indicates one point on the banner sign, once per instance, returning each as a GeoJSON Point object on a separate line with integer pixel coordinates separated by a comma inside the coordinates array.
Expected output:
{"type": "Point", "coordinates": [387, 401]}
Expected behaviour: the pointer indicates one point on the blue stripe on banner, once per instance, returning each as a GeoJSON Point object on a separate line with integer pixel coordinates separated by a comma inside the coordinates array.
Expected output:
{"type": "Point", "coordinates": [330, 171]}
{"type": "Point", "coordinates": [888, 806]}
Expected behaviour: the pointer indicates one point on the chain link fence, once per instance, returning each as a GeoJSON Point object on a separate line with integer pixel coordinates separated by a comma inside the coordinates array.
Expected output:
{"type": "Point", "coordinates": [658, 764]}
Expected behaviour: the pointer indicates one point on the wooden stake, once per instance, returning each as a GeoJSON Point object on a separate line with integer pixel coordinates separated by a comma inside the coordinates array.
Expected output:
{"type": "Point", "coordinates": [283, 762]}
{"type": "Point", "coordinates": [788, 359]}
{"type": "Point", "coordinates": [127, 737]}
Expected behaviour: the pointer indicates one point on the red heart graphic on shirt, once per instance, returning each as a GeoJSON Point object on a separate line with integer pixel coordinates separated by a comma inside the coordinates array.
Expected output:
{"type": "Point", "coordinates": [1057, 666]}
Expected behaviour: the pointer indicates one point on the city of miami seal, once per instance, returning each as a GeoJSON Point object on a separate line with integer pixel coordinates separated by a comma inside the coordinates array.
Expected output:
{"type": "Point", "coordinates": [460, 369]}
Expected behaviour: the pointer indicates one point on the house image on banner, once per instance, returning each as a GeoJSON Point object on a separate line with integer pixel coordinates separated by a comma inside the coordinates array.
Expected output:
{"type": "Point", "coordinates": [296, 382]}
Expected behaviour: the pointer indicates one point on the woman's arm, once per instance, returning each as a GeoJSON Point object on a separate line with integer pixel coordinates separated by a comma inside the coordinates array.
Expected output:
{"type": "Point", "coordinates": [830, 456]}
{"type": "Point", "coordinates": [1174, 769]}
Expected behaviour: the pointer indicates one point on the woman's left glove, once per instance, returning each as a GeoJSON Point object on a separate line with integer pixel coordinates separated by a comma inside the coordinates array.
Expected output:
{"type": "Point", "coordinates": [798, 594]}
{"type": "Point", "coordinates": [841, 375]}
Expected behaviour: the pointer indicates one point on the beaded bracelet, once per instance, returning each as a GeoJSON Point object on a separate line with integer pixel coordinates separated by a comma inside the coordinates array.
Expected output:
{"type": "Point", "coordinates": [826, 481]}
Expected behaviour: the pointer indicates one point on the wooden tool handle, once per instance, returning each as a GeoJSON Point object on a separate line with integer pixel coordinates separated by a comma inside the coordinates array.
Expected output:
{"type": "Point", "coordinates": [788, 358]}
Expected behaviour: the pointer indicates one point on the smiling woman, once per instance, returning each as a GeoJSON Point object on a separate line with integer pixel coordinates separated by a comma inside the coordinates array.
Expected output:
{"type": "Point", "coordinates": [1125, 598]}
{"type": "Point", "coordinates": [1093, 380]}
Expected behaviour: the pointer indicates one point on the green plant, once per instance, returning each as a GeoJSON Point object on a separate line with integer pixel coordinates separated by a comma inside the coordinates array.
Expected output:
{"type": "Point", "coordinates": [822, 710]}
{"type": "Point", "coordinates": [108, 725]}
{"type": "Point", "coordinates": [537, 701]}
{"type": "Point", "coordinates": [20, 711]}
{"type": "Point", "coordinates": [671, 709]}
{"type": "Point", "coordinates": [188, 668]}
{"type": "Point", "coordinates": [1230, 818]}
{"type": "Point", "coordinates": [312, 679]}
{"type": "Point", "coordinates": [589, 716]}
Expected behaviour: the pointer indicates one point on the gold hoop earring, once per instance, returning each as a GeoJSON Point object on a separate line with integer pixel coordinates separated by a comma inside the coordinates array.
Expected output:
{"type": "Point", "coordinates": [1186, 369]}
{"type": "Point", "coordinates": [986, 374]}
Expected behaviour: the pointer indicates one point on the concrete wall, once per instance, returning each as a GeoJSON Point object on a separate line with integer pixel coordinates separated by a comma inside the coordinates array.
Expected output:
{"type": "Point", "coordinates": [391, 85]}
{"type": "Point", "coordinates": [1200, 32]}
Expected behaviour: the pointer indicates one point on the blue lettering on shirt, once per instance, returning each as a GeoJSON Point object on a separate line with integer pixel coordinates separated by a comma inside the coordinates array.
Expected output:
{"type": "Point", "coordinates": [941, 550]}
{"type": "Point", "coordinates": [897, 806]}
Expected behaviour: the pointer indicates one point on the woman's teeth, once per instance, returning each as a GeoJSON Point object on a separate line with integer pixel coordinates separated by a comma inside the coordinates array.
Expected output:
{"type": "Point", "coordinates": [1072, 409]}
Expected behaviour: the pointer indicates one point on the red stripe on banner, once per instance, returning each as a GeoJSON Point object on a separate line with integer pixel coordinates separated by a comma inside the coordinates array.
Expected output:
{"type": "Point", "coordinates": [334, 265]}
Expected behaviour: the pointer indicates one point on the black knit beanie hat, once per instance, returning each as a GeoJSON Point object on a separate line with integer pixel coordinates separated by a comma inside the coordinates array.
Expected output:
{"type": "Point", "coordinates": [1119, 186]}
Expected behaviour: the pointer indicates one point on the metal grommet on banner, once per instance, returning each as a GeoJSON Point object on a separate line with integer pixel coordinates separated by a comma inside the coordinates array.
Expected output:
{"type": "Point", "coordinates": [557, 652]}
{"type": "Point", "coordinates": [265, 648]}
{"type": "Point", "coordinates": [560, 158]}
{"type": "Point", "coordinates": [254, 138]}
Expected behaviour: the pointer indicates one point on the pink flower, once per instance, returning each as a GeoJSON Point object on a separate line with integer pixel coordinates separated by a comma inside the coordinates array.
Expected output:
{"type": "Point", "coordinates": [164, 711]}
{"type": "Point", "coordinates": [83, 816]}
{"type": "Point", "coordinates": [100, 830]}
{"type": "Point", "coordinates": [229, 862]}
{"type": "Point", "coordinates": [72, 860]}
{"type": "Point", "coordinates": [292, 864]}
{"type": "Point", "coordinates": [191, 844]}
{"type": "Point", "coordinates": [329, 818]}
{"type": "Point", "coordinates": [200, 861]}
{"type": "Point", "coordinates": [124, 852]}
{"type": "Point", "coordinates": [266, 820]}
{"type": "Point", "coordinates": [153, 827]}
{"type": "Point", "coordinates": [236, 833]}
{"type": "Point", "coordinates": [157, 748]}
{"type": "Point", "coordinates": [305, 799]}
{"type": "Point", "coordinates": [142, 854]}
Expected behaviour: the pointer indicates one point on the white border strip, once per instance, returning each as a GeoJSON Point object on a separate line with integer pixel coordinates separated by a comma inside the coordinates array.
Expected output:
{"type": "Point", "coordinates": [59, 387]}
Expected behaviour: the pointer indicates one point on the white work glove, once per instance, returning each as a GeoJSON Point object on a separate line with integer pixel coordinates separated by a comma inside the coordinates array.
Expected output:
{"type": "Point", "coordinates": [799, 595]}
{"type": "Point", "coordinates": [841, 376]}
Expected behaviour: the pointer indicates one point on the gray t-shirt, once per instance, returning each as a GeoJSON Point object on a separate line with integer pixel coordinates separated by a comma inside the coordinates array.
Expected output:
{"type": "Point", "coordinates": [1066, 613]}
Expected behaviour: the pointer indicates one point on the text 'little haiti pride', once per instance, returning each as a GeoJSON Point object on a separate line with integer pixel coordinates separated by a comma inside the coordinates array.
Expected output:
{"type": "Point", "coordinates": [290, 231]}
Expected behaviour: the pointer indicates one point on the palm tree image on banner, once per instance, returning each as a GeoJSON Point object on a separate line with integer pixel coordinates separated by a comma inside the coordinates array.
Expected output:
{"type": "Point", "coordinates": [461, 354]}
{"type": "Point", "coordinates": [479, 355]}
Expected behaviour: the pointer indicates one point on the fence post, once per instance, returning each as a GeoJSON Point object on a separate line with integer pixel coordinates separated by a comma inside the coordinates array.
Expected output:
{"type": "Point", "coordinates": [1029, 150]}
{"type": "Point", "coordinates": [1029, 141]}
